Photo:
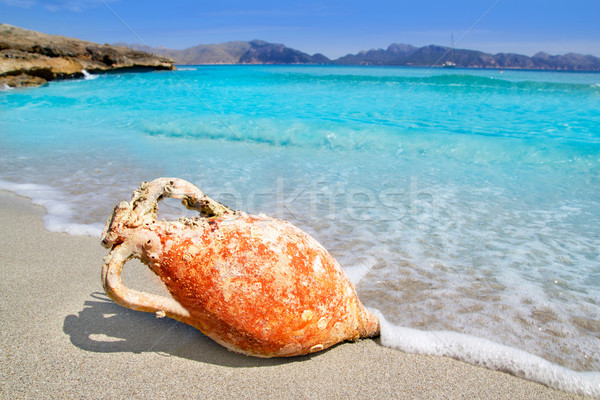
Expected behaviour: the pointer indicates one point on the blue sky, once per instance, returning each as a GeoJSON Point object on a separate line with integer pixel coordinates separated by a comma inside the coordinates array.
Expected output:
{"type": "Point", "coordinates": [333, 28]}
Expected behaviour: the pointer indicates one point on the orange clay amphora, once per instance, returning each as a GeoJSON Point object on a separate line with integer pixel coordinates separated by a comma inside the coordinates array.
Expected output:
{"type": "Point", "coordinates": [256, 285]}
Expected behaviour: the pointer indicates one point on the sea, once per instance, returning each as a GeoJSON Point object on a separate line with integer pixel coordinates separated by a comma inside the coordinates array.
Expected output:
{"type": "Point", "coordinates": [464, 204]}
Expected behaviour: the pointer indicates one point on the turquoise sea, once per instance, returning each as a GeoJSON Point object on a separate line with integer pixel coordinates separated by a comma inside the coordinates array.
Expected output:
{"type": "Point", "coordinates": [464, 204]}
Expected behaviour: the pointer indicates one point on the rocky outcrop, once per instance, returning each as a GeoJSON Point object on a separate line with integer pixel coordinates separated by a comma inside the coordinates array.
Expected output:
{"type": "Point", "coordinates": [29, 58]}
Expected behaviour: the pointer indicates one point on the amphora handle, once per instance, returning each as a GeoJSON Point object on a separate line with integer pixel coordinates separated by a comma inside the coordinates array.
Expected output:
{"type": "Point", "coordinates": [122, 232]}
{"type": "Point", "coordinates": [133, 299]}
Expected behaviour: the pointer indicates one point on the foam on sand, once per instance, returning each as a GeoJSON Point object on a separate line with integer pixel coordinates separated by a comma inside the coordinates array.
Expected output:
{"type": "Point", "coordinates": [485, 353]}
{"type": "Point", "coordinates": [59, 213]}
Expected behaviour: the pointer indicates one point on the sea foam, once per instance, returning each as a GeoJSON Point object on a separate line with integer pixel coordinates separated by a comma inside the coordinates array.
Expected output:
{"type": "Point", "coordinates": [59, 212]}
{"type": "Point", "coordinates": [87, 75]}
{"type": "Point", "coordinates": [488, 354]}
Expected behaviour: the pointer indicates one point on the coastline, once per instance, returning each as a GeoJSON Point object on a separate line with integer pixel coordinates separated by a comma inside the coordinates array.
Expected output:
{"type": "Point", "coordinates": [62, 337]}
{"type": "Point", "coordinates": [30, 58]}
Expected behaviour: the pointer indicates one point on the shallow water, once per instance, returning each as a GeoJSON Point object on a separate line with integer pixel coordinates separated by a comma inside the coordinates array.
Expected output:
{"type": "Point", "coordinates": [456, 200]}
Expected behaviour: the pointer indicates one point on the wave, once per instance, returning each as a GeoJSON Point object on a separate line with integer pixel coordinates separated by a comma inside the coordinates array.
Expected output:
{"type": "Point", "coordinates": [59, 215]}
{"type": "Point", "coordinates": [408, 142]}
{"type": "Point", "coordinates": [87, 76]}
{"type": "Point", "coordinates": [467, 80]}
{"type": "Point", "coordinates": [488, 354]}
{"type": "Point", "coordinates": [451, 81]}
{"type": "Point", "coordinates": [264, 132]}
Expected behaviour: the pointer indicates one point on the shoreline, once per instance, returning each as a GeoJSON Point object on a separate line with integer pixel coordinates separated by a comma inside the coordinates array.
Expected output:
{"type": "Point", "coordinates": [62, 337]}
{"type": "Point", "coordinates": [30, 58]}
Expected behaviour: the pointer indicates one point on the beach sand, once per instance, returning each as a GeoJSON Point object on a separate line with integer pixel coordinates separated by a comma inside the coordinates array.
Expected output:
{"type": "Point", "coordinates": [61, 337]}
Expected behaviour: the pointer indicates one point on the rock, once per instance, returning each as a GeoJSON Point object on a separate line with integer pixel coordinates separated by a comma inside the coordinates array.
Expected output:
{"type": "Point", "coordinates": [29, 58]}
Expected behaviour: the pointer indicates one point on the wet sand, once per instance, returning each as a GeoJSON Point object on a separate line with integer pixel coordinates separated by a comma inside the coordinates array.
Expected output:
{"type": "Point", "coordinates": [61, 337]}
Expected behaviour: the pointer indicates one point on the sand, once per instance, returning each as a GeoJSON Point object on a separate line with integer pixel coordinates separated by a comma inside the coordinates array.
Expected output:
{"type": "Point", "coordinates": [61, 337]}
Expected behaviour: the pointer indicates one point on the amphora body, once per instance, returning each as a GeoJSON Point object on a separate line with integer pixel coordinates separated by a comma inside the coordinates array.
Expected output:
{"type": "Point", "coordinates": [255, 284]}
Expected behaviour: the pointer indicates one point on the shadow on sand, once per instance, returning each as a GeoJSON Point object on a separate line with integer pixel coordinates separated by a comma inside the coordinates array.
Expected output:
{"type": "Point", "coordinates": [103, 326]}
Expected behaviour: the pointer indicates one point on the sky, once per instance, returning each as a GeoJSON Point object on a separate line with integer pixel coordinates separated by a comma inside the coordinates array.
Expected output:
{"type": "Point", "coordinates": [333, 28]}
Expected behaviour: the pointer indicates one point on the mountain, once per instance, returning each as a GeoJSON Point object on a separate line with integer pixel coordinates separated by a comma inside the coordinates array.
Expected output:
{"type": "Point", "coordinates": [224, 53]}
{"type": "Point", "coordinates": [570, 61]}
{"type": "Point", "coordinates": [261, 52]}
{"type": "Point", "coordinates": [378, 56]}
{"type": "Point", "coordinates": [238, 52]}
{"type": "Point", "coordinates": [405, 55]}
{"type": "Point", "coordinates": [29, 58]}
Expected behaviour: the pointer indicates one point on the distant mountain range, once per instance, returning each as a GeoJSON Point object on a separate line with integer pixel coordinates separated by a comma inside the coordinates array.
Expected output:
{"type": "Point", "coordinates": [238, 52]}
{"type": "Point", "coordinates": [261, 52]}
